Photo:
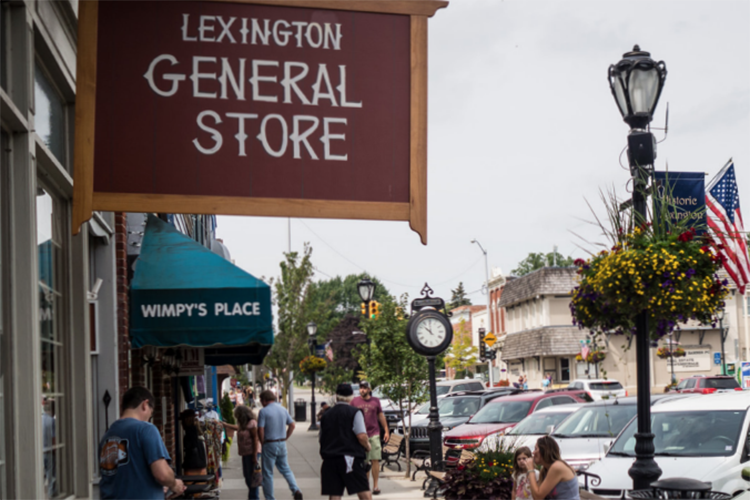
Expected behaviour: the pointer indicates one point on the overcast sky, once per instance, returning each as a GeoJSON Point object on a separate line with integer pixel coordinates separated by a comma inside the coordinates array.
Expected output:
{"type": "Point", "coordinates": [523, 130]}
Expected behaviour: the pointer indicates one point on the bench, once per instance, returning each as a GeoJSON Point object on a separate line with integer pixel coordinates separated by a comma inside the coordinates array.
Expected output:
{"type": "Point", "coordinates": [452, 460]}
{"type": "Point", "coordinates": [394, 449]}
{"type": "Point", "coordinates": [420, 459]}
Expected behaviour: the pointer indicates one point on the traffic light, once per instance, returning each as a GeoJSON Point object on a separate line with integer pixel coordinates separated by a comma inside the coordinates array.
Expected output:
{"type": "Point", "coordinates": [482, 346]}
{"type": "Point", "coordinates": [374, 309]}
{"type": "Point", "coordinates": [364, 309]}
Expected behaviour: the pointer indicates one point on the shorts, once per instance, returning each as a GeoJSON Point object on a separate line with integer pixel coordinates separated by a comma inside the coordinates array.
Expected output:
{"type": "Point", "coordinates": [376, 450]}
{"type": "Point", "coordinates": [334, 478]}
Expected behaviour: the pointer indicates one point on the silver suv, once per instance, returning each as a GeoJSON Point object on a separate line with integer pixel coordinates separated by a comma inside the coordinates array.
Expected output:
{"type": "Point", "coordinates": [450, 386]}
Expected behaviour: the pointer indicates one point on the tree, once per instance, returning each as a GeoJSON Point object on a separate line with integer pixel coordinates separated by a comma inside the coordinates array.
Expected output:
{"type": "Point", "coordinates": [295, 310]}
{"type": "Point", "coordinates": [391, 365]}
{"type": "Point", "coordinates": [458, 297]}
{"type": "Point", "coordinates": [461, 354]}
{"type": "Point", "coordinates": [345, 343]}
{"type": "Point", "coordinates": [536, 261]}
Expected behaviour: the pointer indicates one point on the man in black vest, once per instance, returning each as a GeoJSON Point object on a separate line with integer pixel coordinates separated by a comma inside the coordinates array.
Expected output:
{"type": "Point", "coordinates": [343, 447]}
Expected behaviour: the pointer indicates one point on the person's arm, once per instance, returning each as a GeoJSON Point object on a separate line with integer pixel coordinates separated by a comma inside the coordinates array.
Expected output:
{"type": "Point", "coordinates": [540, 491]}
{"type": "Point", "coordinates": [230, 426]}
{"type": "Point", "coordinates": [254, 444]}
{"type": "Point", "coordinates": [262, 435]}
{"type": "Point", "coordinates": [289, 430]}
{"type": "Point", "coordinates": [384, 425]}
{"type": "Point", "coordinates": [364, 440]}
{"type": "Point", "coordinates": [164, 475]}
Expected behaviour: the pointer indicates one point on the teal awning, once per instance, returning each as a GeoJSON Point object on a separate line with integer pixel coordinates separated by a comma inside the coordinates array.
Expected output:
{"type": "Point", "coordinates": [184, 294]}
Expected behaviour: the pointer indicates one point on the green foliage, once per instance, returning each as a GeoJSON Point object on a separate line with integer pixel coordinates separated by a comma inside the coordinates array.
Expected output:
{"type": "Point", "coordinates": [458, 297]}
{"type": "Point", "coordinates": [227, 409]}
{"type": "Point", "coordinates": [487, 477]}
{"type": "Point", "coordinates": [332, 376]}
{"type": "Point", "coordinates": [536, 261]}
{"type": "Point", "coordinates": [461, 354]}
{"type": "Point", "coordinates": [295, 309]}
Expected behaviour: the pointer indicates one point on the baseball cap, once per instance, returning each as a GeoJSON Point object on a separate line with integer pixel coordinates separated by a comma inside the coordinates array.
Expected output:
{"type": "Point", "coordinates": [344, 390]}
{"type": "Point", "coordinates": [364, 384]}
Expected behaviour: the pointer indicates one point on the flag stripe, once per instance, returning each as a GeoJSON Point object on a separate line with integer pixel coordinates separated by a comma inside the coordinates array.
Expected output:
{"type": "Point", "coordinates": [727, 239]}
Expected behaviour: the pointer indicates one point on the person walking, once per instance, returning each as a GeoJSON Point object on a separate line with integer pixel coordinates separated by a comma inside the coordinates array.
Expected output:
{"type": "Point", "coordinates": [374, 419]}
{"type": "Point", "coordinates": [343, 447]}
{"type": "Point", "coordinates": [275, 426]}
{"type": "Point", "coordinates": [248, 446]}
{"type": "Point", "coordinates": [132, 457]}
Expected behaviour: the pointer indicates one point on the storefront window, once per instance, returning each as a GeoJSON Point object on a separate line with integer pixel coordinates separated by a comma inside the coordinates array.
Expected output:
{"type": "Point", "coordinates": [49, 118]}
{"type": "Point", "coordinates": [51, 327]}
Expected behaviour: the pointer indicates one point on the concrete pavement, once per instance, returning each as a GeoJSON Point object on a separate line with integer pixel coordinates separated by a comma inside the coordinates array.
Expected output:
{"type": "Point", "coordinates": [305, 461]}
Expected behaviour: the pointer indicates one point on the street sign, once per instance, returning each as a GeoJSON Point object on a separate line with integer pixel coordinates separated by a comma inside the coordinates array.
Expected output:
{"type": "Point", "coordinates": [717, 358]}
{"type": "Point", "coordinates": [490, 339]}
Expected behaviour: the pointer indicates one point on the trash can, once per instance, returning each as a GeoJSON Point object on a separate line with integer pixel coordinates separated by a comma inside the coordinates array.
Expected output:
{"type": "Point", "coordinates": [300, 410]}
{"type": "Point", "coordinates": [679, 488]}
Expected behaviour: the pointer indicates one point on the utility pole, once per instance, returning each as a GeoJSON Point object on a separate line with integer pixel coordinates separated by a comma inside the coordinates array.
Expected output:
{"type": "Point", "coordinates": [489, 310]}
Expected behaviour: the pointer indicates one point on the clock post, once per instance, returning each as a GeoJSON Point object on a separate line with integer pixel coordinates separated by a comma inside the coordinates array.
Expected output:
{"type": "Point", "coordinates": [429, 332]}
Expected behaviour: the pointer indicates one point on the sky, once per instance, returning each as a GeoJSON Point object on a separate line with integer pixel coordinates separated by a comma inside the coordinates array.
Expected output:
{"type": "Point", "coordinates": [524, 134]}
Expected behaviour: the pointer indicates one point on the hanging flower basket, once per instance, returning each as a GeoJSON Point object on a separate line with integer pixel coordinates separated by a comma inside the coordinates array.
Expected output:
{"type": "Point", "coordinates": [671, 276]}
{"type": "Point", "coordinates": [593, 357]}
{"type": "Point", "coordinates": [665, 352]}
{"type": "Point", "coordinates": [312, 364]}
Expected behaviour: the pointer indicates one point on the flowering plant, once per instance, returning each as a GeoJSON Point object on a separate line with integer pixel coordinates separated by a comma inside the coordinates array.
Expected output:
{"type": "Point", "coordinates": [663, 269]}
{"type": "Point", "coordinates": [665, 352]}
{"type": "Point", "coordinates": [593, 357]}
{"type": "Point", "coordinates": [487, 477]}
{"type": "Point", "coordinates": [312, 364]}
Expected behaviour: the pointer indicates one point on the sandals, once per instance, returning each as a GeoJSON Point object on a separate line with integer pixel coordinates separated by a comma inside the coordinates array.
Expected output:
{"type": "Point", "coordinates": [376, 491]}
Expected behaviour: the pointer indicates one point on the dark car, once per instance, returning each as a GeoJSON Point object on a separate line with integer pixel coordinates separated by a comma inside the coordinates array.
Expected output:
{"type": "Point", "coordinates": [502, 413]}
{"type": "Point", "coordinates": [707, 385]}
{"type": "Point", "coordinates": [455, 409]}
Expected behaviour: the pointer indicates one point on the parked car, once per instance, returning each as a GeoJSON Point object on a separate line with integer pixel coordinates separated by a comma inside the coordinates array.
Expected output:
{"type": "Point", "coordinates": [451, 386]}
{"type": "Point", "coordinates": [703, 438]}
{"type": "Point", "coordinates": [502, 413]}
{"type": "Point", "coordinates": [531, 428]}
{"type": "Point", "coordinates": [599, 389]}
{"type": "Point", "coordinates": [454, 409]}
{"type": "Point", "coordinates": [586, 435]}
{"type": "Point", "coordinates": [707, 385]}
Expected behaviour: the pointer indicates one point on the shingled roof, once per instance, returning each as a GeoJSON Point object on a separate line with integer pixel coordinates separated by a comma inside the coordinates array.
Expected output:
{"type": "Point", "coordinates": [545, 281]}
{"type": "Point", "coordinates": [545, 341]}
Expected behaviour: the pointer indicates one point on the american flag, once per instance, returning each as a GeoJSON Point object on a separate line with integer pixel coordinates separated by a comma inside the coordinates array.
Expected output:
{"type": "Point", "coordinates": [725, 222]}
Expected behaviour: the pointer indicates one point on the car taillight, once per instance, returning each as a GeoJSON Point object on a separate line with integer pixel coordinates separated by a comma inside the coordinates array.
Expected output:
{"type": "Point", "coordinates": [626, 393]}
{"type": "Point", "coordinates": [738, 388]}
{"type": "Point", "coordinates": [708, 390]}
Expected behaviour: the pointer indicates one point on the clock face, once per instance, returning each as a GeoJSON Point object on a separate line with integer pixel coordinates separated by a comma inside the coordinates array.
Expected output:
{"type": "Point", "coordinates": [431, 332]}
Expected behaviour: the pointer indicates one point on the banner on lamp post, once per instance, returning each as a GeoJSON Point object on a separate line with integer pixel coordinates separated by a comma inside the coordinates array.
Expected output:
{"type": "Point", "coordinates": [685, 196]}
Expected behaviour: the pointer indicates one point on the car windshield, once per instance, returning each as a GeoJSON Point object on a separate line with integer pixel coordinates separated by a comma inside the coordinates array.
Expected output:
{"type": "Point", "coordinates": [458, 407]}
{"type": "Point", "coordinates": [687, 434]}
{"type": "Point", "coordinates": [442, 390]}
{"type": "Point", "coordinates": [605, 386]}
{"type": "Point", "coordinates": [721, 383]}
{"type": "Point", "coordinates": [538, 423]}
{"type": "Point", "coordinates": [423, 410]}
{"type": "Point", "coordinates": [502, 412]}
{"type": "Point", "coordinates": [597, 421]}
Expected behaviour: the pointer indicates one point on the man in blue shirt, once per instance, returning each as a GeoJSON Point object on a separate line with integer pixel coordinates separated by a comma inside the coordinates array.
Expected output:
{"type": "Point", "coordinates": [133, 460]}
{"type": "Point", "coordinates": [275, 426]}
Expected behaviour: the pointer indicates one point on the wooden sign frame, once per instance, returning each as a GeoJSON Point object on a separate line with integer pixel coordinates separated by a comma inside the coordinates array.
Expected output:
{"type": "Point", "coordinates": [85, 200]}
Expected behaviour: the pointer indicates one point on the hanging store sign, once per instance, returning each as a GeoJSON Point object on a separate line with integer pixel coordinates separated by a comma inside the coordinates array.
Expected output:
{"type": "Point", "coordinates": [191, 361]}
{"type": "Point", "coordinates": [273, 108]}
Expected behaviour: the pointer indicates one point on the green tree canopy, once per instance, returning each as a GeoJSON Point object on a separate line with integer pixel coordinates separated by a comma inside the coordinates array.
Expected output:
{"type": "Point", "coordinates": [458, 297]}
{"type": "Point", "coordinates": [461, 354]}
{"type": "Point", "coordinates": [536, 261]}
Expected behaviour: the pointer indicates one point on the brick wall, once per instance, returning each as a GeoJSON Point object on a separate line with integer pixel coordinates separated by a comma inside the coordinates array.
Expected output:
{"type": "Point", "coordinates": [123, 333]}
{"type": "Point", "coordinates": [164, 415]}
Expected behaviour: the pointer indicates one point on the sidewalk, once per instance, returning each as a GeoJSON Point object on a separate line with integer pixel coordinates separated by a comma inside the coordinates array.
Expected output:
{"type": "Point", "coordinates": [304, 459]}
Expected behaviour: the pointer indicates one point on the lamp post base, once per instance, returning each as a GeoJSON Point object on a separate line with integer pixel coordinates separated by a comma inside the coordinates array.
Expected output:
{"type": "Point", "coordinates": [644, 470]}
{"type": "Point", "coordinates": [314, 424]}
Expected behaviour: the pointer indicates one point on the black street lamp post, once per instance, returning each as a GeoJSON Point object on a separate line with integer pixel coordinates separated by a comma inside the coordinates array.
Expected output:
{"type": "Point", "coordinates": [312, 329]}
{"type": "Point", "coordinates": [636, 83]}
{"type": "Point", "coordinates": [366, 290]}
{"type": "Point", "coordinates": [671, 354]}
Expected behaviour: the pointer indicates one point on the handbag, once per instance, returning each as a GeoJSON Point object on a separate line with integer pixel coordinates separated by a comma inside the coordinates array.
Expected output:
{"type": "Point", "coordinates": [257, 478]}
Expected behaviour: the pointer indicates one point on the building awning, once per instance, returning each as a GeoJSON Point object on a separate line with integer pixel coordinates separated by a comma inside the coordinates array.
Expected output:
{"type": "Point", "coordinates": [545, 341]}
{"type": "Point", "coordinates": [182, 294]}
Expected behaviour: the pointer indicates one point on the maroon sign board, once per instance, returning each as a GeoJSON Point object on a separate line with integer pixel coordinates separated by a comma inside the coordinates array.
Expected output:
{"type": "Point", "coordinates": [273, 108]}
